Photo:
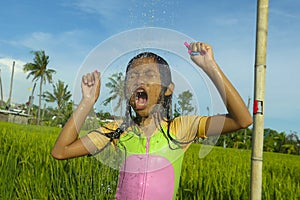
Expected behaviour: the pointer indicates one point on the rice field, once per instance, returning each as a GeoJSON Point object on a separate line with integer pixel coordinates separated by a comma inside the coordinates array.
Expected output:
{"type": "Point", "coordinates": [29, 172]}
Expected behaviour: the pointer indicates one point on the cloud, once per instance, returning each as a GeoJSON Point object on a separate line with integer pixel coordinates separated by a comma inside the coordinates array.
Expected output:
{"type": "Point", "coordinates": [7, 63]}
{"type": "Point", "coordinates": [20, 84]}
{"type": "Point", "coordinates": [106, 9]}
{"type": "Point", "coordinates": [36, 40]}
{"type": "Point", "coordinates": [65, 49]}
{"type": "Point", "coordinates": [43, 40]}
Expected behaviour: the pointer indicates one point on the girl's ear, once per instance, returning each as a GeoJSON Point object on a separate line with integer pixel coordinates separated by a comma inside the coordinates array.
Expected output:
{"type": "Point", "coordinates": [170, 89]}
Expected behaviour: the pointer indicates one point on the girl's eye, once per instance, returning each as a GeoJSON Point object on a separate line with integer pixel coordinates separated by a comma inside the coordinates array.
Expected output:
{"type": "Point", "coordinates": [146, 75]}
{"type": "Point", "coordinates": [132, 75]}
{"type": "Point", "coordinates": [150, 74]}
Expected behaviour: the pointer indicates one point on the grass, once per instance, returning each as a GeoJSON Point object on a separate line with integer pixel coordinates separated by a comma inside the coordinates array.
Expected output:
{"type": "Point", "coordinates": [29, 172]}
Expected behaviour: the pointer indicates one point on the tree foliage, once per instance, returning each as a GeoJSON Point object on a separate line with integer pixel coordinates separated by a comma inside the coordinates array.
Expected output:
{"type": "Point", "coordinates": [39, 71]}
{"type": "Point", "coordinates": [116, 85]}
{"type": "Point", "coordinates": [61, 96]}
{"type": "Point", "coordinates": [273, 141]}
{"type": "Point", "coordinates": [184, 101]}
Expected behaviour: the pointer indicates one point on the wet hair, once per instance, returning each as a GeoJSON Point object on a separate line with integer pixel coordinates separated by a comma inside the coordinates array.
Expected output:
{"type": "Point", "coordinates": [163, 66]}
{"type": "Point", "coordinates": [164, 102]}
{"type": "Point", "coordinates": [164, 107]}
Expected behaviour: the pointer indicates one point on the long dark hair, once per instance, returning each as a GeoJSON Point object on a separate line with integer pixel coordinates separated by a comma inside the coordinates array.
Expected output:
{"type": "Point", "coordinates": [164, 102]}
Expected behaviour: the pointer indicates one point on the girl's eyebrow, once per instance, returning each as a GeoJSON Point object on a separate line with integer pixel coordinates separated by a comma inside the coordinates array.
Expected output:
{"type": "Point", "coordinates": [142, 71]}
{"type": "Point", "coordinates": [149, 70]}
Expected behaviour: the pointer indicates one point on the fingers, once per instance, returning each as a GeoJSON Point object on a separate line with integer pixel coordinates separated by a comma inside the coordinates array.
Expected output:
{"type": "Point", "coordinates": [87, 79]}
{"type": "Point", "coordinates": [199, 47]}
{"type": "Point", "coordinates": [91, 78]}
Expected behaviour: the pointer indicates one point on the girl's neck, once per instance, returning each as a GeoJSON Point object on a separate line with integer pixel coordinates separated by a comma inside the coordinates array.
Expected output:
{"type": "Point", "coordinates": [148, 124]}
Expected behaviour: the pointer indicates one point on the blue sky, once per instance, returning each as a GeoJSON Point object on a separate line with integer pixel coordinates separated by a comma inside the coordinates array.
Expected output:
{"type": "Point", "coordinates": [68, 30]}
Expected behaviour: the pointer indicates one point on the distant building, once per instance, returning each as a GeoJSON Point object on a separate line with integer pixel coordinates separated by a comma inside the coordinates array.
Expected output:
{"type": "Point", "coordinates": [14, 116]}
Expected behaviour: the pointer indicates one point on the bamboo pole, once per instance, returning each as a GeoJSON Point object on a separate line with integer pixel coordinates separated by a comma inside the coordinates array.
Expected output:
{"type": "Point", "coordinates": [1, 88]}
{"type": "Point", "coordinates": [259, 97]}
{"type": "Point", "coordinates": [30, 102]}
{"type": "Point", "coordinates": [11, 83]}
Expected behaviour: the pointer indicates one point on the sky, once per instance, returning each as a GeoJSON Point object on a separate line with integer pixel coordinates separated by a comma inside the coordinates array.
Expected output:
{"type": "Point", "coordinates": [70, 30]}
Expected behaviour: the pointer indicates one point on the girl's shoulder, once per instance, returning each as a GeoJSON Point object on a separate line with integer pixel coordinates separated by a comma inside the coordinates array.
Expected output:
{"type": "Point", "coordinates": [187, 125]}
{"type": "Point", "coordinates": [186, 120]}
{"type": "Point", "coordinates": [110, 126]}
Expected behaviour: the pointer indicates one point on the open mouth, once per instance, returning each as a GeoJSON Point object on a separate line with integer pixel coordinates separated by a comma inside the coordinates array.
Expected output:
{"type": "Point", "coordinates": [140, 98]}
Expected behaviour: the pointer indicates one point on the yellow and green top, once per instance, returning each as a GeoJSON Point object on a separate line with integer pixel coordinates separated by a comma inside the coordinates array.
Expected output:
{"type": "Point", "coordinates": [152, 165]}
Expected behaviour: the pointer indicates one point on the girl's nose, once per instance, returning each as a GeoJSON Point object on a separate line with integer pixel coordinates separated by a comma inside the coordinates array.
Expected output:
{"type": "Point", "coordinates": [140, 80]}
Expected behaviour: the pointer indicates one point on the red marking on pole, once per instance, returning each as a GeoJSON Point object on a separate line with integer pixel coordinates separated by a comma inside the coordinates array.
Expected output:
{"type": "Point", "coordinates": [257, 107]}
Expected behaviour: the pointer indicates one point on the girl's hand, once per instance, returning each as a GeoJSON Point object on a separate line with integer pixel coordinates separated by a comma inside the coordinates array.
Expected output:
{"type": "Point", "coordinates": [204, 58]}
{"type": "Point", "coordinates": [90, 86]}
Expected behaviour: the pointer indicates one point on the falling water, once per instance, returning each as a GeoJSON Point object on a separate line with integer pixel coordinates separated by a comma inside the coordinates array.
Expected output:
{"type": "Point", "coordinates": [153, 13]}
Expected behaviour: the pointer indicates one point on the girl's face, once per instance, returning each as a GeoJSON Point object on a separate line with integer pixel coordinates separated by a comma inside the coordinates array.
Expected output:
{"type": "Point", "coordinates": [143, 85]}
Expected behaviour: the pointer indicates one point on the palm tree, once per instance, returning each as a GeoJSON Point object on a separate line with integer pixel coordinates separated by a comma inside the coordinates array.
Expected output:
{"type": "Point", "coordinates": [116, 85]}
{"type": "Point", "coordinates": [38, 69]}
{"type": "Point", "coordinates": [280, 140]}
{"type": "Point", "coordinates": [291, 145]}
{"type": "Point", "coordinates": [60, 95]}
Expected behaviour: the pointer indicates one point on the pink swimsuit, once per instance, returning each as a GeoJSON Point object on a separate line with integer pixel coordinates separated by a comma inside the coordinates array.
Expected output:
{"type": "Point", "coordinates": [151, 169]}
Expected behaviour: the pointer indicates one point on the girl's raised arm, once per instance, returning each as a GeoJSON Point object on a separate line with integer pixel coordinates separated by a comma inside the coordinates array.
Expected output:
{"type": "Point", "coordinates": [68, 144]}
{"type": "Point", "coordinates": [238, 115]}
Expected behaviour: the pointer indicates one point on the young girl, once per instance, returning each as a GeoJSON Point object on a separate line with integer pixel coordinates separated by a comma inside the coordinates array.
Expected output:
{"type": "Point", "coordinates": [151, 142]}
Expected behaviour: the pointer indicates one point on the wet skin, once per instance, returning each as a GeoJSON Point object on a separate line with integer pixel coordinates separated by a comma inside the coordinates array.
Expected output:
{"type": "Point", "coordinates": [143, 86]}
